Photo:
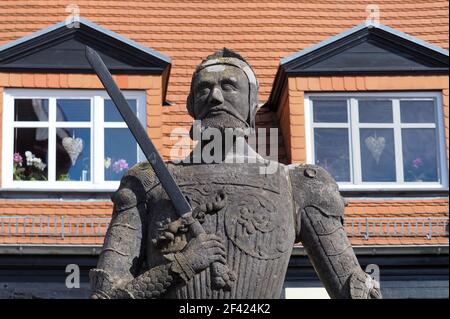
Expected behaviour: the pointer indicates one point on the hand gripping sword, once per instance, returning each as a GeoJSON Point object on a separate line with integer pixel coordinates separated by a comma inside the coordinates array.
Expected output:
{"type": "Point", "coordinates": [222, 278]}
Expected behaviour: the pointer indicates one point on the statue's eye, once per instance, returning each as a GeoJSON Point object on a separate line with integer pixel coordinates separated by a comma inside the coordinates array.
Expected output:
{"type": "Point", "coordinates": [202, 91]}
{"type": "Point", "coordinates": [226, 86]}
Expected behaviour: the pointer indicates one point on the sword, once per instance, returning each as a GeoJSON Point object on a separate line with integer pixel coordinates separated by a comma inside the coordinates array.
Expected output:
{"type": "Point", "coordinates": [179, 201]}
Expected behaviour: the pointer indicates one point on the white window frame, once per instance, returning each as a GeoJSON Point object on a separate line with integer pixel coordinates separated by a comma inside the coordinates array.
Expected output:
{"type": "Point", "coordinates": [97, 126]}
{"type": "Point", "coordinates": [353, 127]}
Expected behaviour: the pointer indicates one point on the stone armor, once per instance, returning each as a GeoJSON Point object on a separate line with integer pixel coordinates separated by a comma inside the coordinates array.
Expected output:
{"type": "Point", "coordinates": [258, 231]}
{"type": "Point", "coordinates": [256, 228]}
{"type": "Point", "coordinates": [239, 238]}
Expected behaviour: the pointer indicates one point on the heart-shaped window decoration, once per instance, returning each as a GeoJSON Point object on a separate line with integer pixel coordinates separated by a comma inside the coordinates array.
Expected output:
{"type": "Point", "coordinates": [73, 146]}
{"type": "Point", "coordinates": [375, 146]}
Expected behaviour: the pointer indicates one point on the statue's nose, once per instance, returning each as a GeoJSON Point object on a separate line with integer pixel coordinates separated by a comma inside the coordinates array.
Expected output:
{"type": "Point", "coordinates": [216, 97]}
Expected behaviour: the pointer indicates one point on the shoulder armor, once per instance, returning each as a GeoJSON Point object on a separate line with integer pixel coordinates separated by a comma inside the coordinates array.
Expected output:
{"type": "Point", "coordinates": [134, 186]}
{"type": "Point", "coordinates": [313, 186]}
{"type": "Point", "coordinates": [142, 173]}
{"type": "Point", "coordinates": [140, 176]}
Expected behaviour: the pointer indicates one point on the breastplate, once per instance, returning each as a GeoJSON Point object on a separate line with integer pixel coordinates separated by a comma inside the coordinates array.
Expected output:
{"type": "Point", "coordinates": [256, 224]}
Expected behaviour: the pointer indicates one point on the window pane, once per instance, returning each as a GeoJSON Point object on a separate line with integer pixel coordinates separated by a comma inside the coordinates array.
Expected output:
{"type": "Point", "coordinates": [30, 154]}
{"type": "Point", "coordinates": [419, 155]}
{"type": "Point", "coordinates": [417, 111]}
{"type": "Point", "coordinates": [330, 111]}
{"type": "Point", "coordinates": [72, 110]}
{"type": "Point", "coordinates": [375, 111]}
{"type": "Point", "coordinates": [332, 152]}
{"type": "Point", "coordinates": [120, 152]}
{"type": "Point", "coordinates": [377, 155]}
{"type": "Point", "coordinates": [113, 115]}
{"type": "Point", "coordinates": [73, 154]}
{"type": "Point", "coordinates": [30, 110]}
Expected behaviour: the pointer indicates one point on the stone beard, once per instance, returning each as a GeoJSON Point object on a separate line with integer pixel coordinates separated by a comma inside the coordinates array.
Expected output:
{"type": "Point", "coordinates": [239, 239]}
{"type": "Point", "coordinates": [221, 122]}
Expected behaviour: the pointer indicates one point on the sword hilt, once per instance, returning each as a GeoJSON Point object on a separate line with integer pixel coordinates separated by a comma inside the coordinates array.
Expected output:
{"type": "Point", "coordinates": [221, 276]}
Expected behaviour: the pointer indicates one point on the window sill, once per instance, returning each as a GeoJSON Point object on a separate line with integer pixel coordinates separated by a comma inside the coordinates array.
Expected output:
{"type": "Point", "coordinates": [57, 194]}
{"type": "Point", "coordinates": [377, 186]}
{"type": "Point", "coordinates": [82, 192]}
{"type": "Point", "coordinates": [70, 186]}
{"type": "Point", "coordinates": [59, 190]}
{"type": "Point", "coordinates": [394, 192]}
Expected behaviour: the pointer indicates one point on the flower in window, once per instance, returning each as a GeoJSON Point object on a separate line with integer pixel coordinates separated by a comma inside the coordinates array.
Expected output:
{"type": "Point", "coordinates": [416, 169]}
{"type": "Point", "coordinates": [33, 169]}
{"type": "Point", "coordinates": [18, 170]}
{"type": "Point", "coordinates": [34, 161]}
{"type": "Point", "coordinates": [17, 159]}
{"type": "Point", "coordinates": [108, 162]}
{"type": "Point", "coordinates": [29, 156]}
{"type": "Point", "coordinates": [416, 163]}
{"type": "Point", "coordinates": [120, 166]}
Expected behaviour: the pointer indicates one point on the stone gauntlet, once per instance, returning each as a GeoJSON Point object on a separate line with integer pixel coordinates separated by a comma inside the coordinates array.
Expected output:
{"type": "Point", "coordinates": [151, 284]}
{"type": "Point", "coordinates": [201, 252]}
{"type": "Point", "coordinates": [101, 284]}
{"type": "Point", "coordinates": [181, 266]}
{"type": "Point", "coordinates": [362, 286]}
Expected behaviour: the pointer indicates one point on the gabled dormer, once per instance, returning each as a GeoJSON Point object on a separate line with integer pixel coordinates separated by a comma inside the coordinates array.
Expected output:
{"type": "Point", "coordinates": [367, 49]}
{"type": "Point", "coordinates": [54, 109]}
{"type": "Point", "coordinates": [60, 48]}
{"type": "Point", "coordinates": [336, 99]}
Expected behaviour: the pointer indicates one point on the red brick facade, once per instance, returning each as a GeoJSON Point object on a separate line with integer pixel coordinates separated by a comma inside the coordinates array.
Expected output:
{"type": "Point", "coordinates": [263, 33]}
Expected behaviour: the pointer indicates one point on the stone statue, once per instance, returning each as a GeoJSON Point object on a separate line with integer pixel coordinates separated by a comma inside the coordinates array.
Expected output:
{"type": "Point", "coordinates": [251, 218]}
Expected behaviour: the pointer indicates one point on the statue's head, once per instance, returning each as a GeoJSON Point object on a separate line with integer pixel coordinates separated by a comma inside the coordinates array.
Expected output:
{"type": "Point", "coordinates": [224, 92]}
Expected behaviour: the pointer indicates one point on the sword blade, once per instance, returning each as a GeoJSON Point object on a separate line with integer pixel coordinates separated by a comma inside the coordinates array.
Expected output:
{"type": "Point", "coordinates": [179, 202]}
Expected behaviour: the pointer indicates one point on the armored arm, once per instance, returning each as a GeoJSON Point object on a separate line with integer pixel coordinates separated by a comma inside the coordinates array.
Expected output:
{"type": "Point", "coordinates": [118, 273]}
{"type": "Point", "coordinates": [319, 221]}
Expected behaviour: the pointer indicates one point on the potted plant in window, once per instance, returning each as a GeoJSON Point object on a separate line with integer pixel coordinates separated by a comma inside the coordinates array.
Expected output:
{"type": "Point", "coordinates": [32, 169]}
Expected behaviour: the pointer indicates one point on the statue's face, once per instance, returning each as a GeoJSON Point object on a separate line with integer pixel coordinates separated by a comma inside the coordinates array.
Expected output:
{"type": "Point", "coordinates": [221, 97]}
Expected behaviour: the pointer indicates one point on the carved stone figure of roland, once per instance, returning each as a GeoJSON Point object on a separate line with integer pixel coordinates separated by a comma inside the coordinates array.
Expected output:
{"type": "Point", "coordinates": [251, 217]}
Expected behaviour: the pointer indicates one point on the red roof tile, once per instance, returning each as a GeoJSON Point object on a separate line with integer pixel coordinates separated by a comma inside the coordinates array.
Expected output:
{"type": "Point", "coordinates": [398, 208]}
{"type": "Point", "coordinates": [262, 31]}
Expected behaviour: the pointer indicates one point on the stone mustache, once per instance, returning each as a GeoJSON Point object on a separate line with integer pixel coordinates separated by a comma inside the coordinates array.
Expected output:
{"type": "Point", "coordinates": [251, 220]}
